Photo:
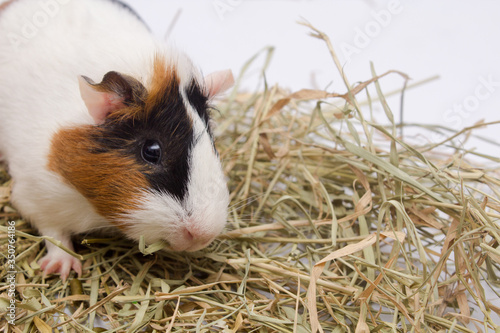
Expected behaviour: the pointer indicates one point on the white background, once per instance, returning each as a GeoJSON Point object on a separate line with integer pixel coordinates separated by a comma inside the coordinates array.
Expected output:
{"type": "Point", "coordinates": [456, 40]}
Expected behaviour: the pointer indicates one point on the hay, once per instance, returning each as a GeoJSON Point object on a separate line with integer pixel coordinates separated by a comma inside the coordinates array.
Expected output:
{"type": "Point", "coordinates": [337, 224]}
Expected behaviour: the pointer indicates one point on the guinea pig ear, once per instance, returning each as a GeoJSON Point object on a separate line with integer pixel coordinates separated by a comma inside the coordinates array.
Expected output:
{"type": "Point", "coordinates": [218, 82]}
{"type": "Point", "coordinates": [114, 92]}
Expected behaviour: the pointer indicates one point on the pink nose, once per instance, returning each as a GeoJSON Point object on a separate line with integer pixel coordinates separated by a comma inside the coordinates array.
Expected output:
{"type": "Point", "coordinates": [189, 236]}
{"type": "Point", "coordinates": [197, 236]}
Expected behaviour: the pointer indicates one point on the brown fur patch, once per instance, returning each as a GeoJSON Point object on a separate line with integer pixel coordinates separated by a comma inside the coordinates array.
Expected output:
{"type": "Point", "coordinates": [111, 182]}
{"type": "Point", "coordinates": [164, 83]}
{"type": "Point", "coordinates": [163, 88]}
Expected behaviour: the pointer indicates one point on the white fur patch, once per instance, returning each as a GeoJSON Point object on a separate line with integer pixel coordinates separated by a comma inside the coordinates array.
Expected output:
{"type": "Point", "coordinates": [186, 227]}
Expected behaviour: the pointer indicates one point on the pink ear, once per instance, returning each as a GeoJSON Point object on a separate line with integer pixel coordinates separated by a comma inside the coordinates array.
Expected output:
{"type": "Point", "coordinates": [99, 103]}
{"type": "Point", "coordinates": [218, 82]}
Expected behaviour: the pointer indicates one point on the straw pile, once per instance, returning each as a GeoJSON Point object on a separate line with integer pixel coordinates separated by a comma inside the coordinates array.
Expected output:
{"type": "Point", "coordinates": [337, 224]}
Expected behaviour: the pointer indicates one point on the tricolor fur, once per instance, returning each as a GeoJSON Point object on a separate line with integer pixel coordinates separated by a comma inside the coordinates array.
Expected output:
{"type": "Point", "coordinates": [78, 104]}
{"type": "Point", "coordinates": [105, 165]}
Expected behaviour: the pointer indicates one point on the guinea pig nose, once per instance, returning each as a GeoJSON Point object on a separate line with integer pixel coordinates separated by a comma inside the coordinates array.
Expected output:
{"type": "Point", "coordinates": [189, 236]}
{"type": "Point", "coordinates": [194, 234]}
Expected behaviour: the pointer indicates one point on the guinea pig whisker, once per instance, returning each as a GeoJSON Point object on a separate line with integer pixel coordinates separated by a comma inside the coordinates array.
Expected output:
{"type": "Point", "coordinates": [245, 202]}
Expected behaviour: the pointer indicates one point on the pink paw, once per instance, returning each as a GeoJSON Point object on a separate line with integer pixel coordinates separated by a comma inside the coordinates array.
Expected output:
{"type": "Point", "coordinates": [59, 261]}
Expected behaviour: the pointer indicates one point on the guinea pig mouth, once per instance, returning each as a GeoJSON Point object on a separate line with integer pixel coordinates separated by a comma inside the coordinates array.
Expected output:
{"type": "Point", "coordinates": [198, 247]}
{"type": "Point", "coordinates": [190, 246]}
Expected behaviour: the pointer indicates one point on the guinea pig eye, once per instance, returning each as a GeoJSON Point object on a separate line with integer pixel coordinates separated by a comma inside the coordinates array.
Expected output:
{"type": "Point", "coordinates": [151, 152]}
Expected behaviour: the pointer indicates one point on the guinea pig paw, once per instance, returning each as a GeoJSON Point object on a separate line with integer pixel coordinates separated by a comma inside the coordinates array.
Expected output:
{"type": "Point", "coordinates": [60, 262]}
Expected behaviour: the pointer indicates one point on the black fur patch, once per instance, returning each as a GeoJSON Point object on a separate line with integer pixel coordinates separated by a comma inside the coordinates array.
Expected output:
{"type": "Point", "coordinates": [168, 123]}
{"type": "Point", "coordinates": [198, 100]}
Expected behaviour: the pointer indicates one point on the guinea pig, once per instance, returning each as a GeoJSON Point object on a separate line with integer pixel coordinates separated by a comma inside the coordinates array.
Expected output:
{"type": "Point", "coordinates": [103, 126]}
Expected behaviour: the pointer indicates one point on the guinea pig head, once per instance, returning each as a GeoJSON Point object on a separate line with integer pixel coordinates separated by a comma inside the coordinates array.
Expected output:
{"type": "Point", "coordinates": [148, 163]}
